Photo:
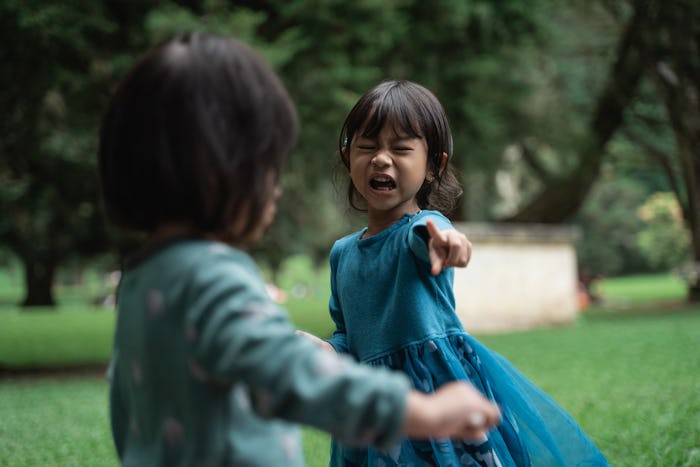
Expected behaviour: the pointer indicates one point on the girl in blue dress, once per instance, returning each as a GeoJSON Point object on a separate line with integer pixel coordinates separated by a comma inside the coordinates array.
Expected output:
{"type": "Point", "coordinates": [392, 299]}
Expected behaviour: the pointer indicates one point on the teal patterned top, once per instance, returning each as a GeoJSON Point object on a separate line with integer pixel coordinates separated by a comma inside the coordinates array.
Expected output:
{"type": "Point", "coordinates": [206, 370]}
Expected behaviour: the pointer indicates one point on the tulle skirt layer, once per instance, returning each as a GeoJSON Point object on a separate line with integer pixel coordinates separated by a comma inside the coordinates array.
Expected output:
{"type": "Point", "coordinates": [535, 430]}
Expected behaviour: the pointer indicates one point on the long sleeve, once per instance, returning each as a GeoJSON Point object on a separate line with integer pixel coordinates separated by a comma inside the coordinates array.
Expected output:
{"type": "Point", "coordinates": [418, 233]}
{"type": "Point", "coordinates": [339, 338]}
{"type": "Point", "coordinates": [239, 336]}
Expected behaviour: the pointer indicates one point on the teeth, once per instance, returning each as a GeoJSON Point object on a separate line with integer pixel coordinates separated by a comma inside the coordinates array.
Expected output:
{"type": "Point", "coordinates": [382, 183]}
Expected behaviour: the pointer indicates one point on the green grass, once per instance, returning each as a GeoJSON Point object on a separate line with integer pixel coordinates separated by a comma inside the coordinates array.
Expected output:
{"type": "Point", "coordinates": [82, 335]}
{"type": "Point", "coordinates": [65, 422]}
{"type": "Point", "coordinates": [62, 337]}
{"type": "Point", "coordinates": [55, 423]}
{"type": "Point", "coordinates": [630, 379]}
{"type": "Point", "coordinates": [631, 383]}
{"type": "Point", "coordinates": [633, 290]}
{"type": "Point", "coordinates": [311, 315]}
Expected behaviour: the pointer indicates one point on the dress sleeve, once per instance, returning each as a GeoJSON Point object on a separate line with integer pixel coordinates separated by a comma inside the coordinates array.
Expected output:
{"type": "Point", "coordinates": [240, 336]}
{"type": "Point", "coordinates": [418, 233]}
{"type": "Point", "coordinates": [339, 338]}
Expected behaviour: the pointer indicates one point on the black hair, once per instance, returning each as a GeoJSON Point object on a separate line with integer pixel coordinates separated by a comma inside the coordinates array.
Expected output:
{"type": "Point", "coordinates": [415, 110]}
{"type": "Point", "coordinates": [193, 134]}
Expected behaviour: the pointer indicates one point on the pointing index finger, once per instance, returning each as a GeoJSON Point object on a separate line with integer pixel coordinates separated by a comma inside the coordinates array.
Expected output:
{"type": "Point", "coordinates": [434, 232]}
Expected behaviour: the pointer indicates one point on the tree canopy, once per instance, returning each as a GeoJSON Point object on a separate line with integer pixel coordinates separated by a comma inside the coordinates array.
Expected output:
{"type": "Point", "coordinates": [538, 93]}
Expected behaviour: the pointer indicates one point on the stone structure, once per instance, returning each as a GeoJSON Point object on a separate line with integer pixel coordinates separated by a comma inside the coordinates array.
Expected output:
{"type": "Point", "coordinates": [520, 276]}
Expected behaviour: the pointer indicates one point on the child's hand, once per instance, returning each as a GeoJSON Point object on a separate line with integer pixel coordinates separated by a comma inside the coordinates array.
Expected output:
{"type": "Point", "coordinates": [447, 248]}
{"type": "Point", "coordinates": [319, 342]}
{"type": "Point", "coordinates": [456, 410]}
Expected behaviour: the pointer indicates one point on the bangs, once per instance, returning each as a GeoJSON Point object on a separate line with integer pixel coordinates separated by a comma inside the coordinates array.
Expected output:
{"type": "Point", "coordinates": [412, 111]}
{"type": "Point", "coordinates": [396, 109]}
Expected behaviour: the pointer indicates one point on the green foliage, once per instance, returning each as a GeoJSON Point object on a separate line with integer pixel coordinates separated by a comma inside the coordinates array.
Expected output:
{"type": "Point", "coordinates": [352, 46]}
{"type": "Point", "coordinates": [50, 86]}
{"type": "Point", "coordinates": [220, 17]}
{"type": "Point", "coordinates": [510, 74]}
{"type": "Point", "coordinates": [608, 243]}
{"type": "Point", "coordinates": [561, 76]}
{"type": "Point", "coordinates": [300, 270]}
{"type": "Point", "coordinates": [664, 241]}
{"type": "Point", "coordinates": [629, 229]}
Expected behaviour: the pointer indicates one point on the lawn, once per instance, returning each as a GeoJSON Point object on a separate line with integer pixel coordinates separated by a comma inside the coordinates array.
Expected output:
{"type": "Point", "coordinates": [629, 378]}
{"type": "Point", "coordinates": [634, 290]}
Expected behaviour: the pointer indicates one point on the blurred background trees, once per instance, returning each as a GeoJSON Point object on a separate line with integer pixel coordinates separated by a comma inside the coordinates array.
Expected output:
{"type": "Point", "coordinates": [580, 113]}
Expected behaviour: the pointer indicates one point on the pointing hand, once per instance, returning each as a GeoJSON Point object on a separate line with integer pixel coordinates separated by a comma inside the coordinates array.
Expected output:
{"type": "Point", "coordinates": [447, 248]}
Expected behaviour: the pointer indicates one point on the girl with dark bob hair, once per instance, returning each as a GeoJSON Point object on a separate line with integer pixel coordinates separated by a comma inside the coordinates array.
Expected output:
{"type": "Point", "coordinates": [416, 112]}
{"type": "Point", "coordinates": [197, 131]}
{"type": "Point", "coordinates": [392, 297]}
{"type": "Point", "coordinates": [206, 369]}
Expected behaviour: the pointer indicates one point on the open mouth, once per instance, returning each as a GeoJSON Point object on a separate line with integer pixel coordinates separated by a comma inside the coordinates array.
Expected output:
{"type": "Point", "coordinates": [382, 183]}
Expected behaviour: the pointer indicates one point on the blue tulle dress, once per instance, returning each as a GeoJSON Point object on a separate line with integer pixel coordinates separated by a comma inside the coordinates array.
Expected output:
{"type": "Point", "coordinates": [390, 311]}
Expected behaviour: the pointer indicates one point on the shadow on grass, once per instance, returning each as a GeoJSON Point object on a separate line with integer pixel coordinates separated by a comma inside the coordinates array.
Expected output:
{"type": "Point", "coordinates": [54, 372]}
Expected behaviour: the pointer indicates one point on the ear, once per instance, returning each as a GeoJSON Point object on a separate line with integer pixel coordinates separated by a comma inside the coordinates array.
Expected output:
{"type": "Point", "coordinates": [443, 163]}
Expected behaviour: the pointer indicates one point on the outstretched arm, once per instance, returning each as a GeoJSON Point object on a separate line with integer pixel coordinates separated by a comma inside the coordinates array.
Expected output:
{"type": "Point", "coordinates": [447, 248]}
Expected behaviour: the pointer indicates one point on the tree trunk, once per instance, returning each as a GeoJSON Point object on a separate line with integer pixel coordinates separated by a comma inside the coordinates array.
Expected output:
{"type": "Point", "coordinates": [684, 112]}
{"type": "Point", "coordinates": [39, 276]}
{"type": "Point", "coordinates": [563, 196]}
{"type": "Point", "coordinates": [676, 68]}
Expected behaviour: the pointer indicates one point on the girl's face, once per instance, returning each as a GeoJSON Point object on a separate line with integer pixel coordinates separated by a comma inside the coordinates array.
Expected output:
{"type": "Point", "coordinates": [388, 170]}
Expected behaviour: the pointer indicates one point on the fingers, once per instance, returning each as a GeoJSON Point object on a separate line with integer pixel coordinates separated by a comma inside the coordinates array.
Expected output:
{"type": "Point", "coordinates": [480, 414]}
{"type": "Point", "coordinates": [459, 249]}
{"type": "Point", "coordinates": [456, 410]}
{"type": "Point", "coordinates": [434, 232]}
{"type": "Point", "coordinates": [436, 248]}
{"type": "Point", "coordinates": [476, 420]}
{"type": "Point", "coordinates": [317, 341]}
{"type": "Point", "coordinates": [484, 419]}
{"type": "Point", "coordinates": [447, 248]}
{"type": "Point", "coordinates": [437, 262]}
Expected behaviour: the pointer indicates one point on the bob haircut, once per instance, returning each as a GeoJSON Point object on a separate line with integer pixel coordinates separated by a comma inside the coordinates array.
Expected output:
{"type": "Point", "coordinates": [413, 109]}
{"type": "Point", "coordinates": [194, 134]}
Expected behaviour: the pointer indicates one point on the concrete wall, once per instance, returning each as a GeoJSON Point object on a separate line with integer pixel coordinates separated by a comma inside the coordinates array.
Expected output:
{"type": "Point", "coordinates": [520, 276]}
